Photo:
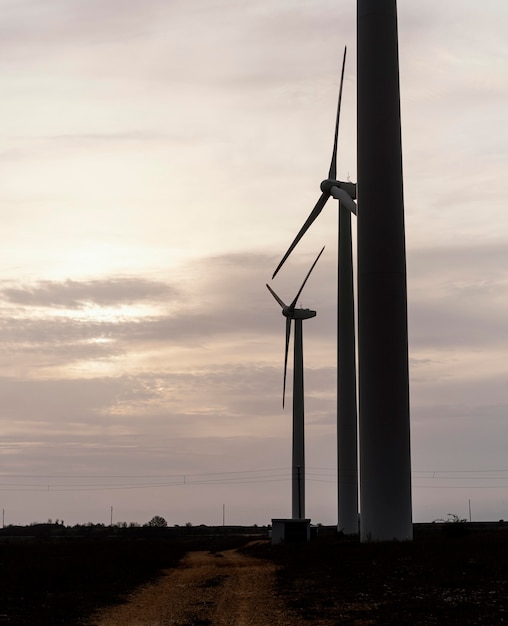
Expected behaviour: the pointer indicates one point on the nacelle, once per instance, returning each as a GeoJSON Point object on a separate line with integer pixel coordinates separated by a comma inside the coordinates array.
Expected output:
{"type": "Point", "coordinates": [349, 188]}
{"type": "Point", "coordinates": [299, 314]}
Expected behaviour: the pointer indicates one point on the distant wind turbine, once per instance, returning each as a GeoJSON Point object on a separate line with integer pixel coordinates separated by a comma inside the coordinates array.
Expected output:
{"type": "Point", "coordinates": [345, 193]}
{"type": "Point", "coordinates": [298, 448]}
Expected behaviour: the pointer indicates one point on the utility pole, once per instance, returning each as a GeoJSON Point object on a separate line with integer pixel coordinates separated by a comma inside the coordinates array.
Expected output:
{"type": "Point", "coordinates": [385, 463]}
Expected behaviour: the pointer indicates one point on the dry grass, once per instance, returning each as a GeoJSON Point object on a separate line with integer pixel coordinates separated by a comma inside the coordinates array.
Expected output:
{"type": "Point", "coordinates": [453, 578]}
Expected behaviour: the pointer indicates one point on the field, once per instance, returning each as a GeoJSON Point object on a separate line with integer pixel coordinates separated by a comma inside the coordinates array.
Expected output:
{"type": "Point", "coordinates": [51, 575]}
{"type": "Point", "coordinates": [450, 574]}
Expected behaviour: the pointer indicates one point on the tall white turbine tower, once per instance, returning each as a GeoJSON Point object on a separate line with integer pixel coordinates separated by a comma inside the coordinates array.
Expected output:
{"type": "Point", "coordinates": [298, 444]}
{"type": "Point", "coordinates": [385, 463]}
{"type": "Point", "coordinates": [347, 461]}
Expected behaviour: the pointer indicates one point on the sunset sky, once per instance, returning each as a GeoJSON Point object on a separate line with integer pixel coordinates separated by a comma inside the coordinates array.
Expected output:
{"type": "Point", "coordinates": [157, 158]}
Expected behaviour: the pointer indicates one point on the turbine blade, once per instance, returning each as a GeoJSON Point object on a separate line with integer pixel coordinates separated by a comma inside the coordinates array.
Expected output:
{"type": "Point", "coordinates": [282, 304]}
{"type": "Point", "coordinates": [314, 213]}
{"type": "Point", "coordinates": [288, 334]}
{"type": "Point", "coordinates": [332, 174]}
{"type": "Point", "coordinates": [293, 304]}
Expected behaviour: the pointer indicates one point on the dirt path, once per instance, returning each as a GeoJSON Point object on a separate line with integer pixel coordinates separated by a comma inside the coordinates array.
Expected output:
{"type": "Point", "coordinates": [225, 588]}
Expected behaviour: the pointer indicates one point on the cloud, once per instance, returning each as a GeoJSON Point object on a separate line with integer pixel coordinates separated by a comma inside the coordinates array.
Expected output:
{"type": "Point", "coordinates": [58, 22]}
{"type": "Point", "coordinates": [133, 415]}
{"type": "Point", "coordinates": [73, 294]}
{"type": "Point", "coordinates": [458, 296]}
{"type": "Point", "coordinates": [158, 159]}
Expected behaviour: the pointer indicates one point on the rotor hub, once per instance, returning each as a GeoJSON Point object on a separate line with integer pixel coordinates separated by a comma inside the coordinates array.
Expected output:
{"type": "Point", "coordinates": [349, 188]}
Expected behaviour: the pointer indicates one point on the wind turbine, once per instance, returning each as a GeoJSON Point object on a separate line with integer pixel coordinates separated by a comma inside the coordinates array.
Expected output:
{"type": "Point", "coordinates": [298, 445]}
{"type": "Point", "coordinates": [385, 455]}
{"type": "Point", "coordinates": [345, 193]}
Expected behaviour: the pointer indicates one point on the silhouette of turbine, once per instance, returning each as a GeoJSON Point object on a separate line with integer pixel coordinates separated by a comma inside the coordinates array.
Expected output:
{"type": "Point", "coordinates": [347, 427]}
{"type": "Point", "coordinates": [298, 443]}
{"type": "Point", "coordinates": [385, 454]}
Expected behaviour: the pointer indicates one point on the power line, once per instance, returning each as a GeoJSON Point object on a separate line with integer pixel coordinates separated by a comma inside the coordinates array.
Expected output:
{"type": "Point", "coordinates": [232, 477]}
{"type": "Point", "coordinates": [277, 469]}
{"type": "Point", "coordinates": [435, 473]}
{"type": "Point", "coordinates": [470, 487]}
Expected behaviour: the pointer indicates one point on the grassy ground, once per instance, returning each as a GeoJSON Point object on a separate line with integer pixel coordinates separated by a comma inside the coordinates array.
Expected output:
{"type": "Point", "coordinates": [454, 575]}
{"type": "Point", "coordinates": [47, 581]}
{"type": "Point", "coordinates": [450, 576]}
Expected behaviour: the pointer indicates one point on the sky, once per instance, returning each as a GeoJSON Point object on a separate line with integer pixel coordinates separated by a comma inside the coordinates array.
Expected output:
{"type": "Point", "coordinates": [157, 158]}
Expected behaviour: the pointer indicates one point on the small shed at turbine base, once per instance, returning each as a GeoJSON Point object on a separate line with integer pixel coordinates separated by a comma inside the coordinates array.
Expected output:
{"type": "Point", "coordinates": [290, 530]}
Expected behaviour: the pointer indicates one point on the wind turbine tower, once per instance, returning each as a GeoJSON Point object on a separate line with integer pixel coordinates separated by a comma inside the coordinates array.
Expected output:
{"type": "Point", "coordinates": [385, 464]}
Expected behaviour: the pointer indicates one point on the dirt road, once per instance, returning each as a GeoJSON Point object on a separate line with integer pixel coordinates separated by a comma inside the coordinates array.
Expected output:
{"type": "Point", "coordinates": [225, 588]}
